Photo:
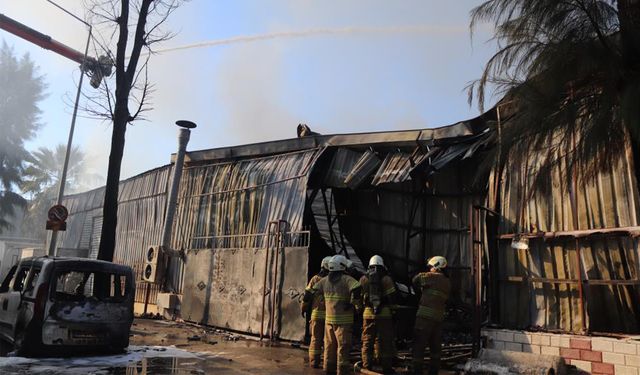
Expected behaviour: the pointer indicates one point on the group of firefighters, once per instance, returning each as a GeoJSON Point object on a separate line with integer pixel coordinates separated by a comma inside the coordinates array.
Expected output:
{"type": "Point", "coordinates": [332, 297]}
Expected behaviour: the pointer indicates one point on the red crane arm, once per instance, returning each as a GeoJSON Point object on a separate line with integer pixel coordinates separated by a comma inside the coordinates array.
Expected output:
{"type": "Point", "coordinates": [40, 39]}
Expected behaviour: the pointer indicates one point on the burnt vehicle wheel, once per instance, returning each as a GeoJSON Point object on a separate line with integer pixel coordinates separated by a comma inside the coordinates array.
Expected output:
{"type": "Point", "coordinates": [19, 344]}
{"type": "Point", "coordinates": [27, 342]}
{"type": "Point", "coordinates": [5, 348]}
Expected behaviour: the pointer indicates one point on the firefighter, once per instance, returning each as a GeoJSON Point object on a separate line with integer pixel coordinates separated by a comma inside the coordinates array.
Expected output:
{"type": "Point", "coordinates": [433, 289]}
{"type": "Point", "coordinates": [378, 295]}
{"type": "Point", "coordinates": [316, 322]}
{"type": "Point", "coordinates": [341, 297]}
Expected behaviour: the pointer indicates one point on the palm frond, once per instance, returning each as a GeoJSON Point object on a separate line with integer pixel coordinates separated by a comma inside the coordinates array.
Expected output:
{"type": "Point", "coordinates": [562, 64]}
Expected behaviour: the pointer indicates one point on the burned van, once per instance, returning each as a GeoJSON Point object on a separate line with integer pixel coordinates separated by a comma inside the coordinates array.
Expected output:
{"type": "Point", "coordinates": [51, 305]}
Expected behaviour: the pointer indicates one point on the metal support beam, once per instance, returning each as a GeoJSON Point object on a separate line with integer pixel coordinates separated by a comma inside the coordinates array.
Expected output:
{"type": "Point", "coordinates": [476, 256]}
{"type": "Point", "coordinates": [329, 223]}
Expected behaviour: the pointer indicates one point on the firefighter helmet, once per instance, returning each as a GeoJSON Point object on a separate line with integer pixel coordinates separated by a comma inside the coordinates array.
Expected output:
{"type": "Point", "coordinates": [337, 263]}
{"type": "Point", "coordinates": [437, 262]}
{"type": "Point", "coordinates": [325, 263]}
{"type": "Point", "coordinates": [376, 260]}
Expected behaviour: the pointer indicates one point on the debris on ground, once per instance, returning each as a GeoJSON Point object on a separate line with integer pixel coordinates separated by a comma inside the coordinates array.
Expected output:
{"type": "Point", "coordinates": [505, 362]}
{"type": "Point", "coordinates": [152, 316]}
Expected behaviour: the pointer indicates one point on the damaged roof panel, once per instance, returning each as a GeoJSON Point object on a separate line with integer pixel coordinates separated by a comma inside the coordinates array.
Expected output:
{"type": "Point", "coordinates": [397, 166]}
{"type": "Point", "coordinates": [404, 138]}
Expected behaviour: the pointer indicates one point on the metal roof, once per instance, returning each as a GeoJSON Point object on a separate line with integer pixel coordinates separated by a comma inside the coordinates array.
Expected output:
{"type": "Point", "coordinates": [402, 138]}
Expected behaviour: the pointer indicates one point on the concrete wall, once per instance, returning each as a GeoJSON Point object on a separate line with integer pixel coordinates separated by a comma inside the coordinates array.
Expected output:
{"type": "Point", "coordinates": [596, 355]}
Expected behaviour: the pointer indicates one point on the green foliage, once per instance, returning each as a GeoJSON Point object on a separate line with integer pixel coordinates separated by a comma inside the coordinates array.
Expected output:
{"type": "Point", "coordinates": [20, 91]}
{"type": "Point", "coordinates": [570, 82]}
{"type": "Point", "coordinates": [41, 179]}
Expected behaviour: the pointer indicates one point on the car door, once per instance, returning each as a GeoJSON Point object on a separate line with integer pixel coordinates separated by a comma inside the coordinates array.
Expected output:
{"type": "Point", "coordinates": [11, 299]}
{"type": "Point", "coordinates": [5, 325]}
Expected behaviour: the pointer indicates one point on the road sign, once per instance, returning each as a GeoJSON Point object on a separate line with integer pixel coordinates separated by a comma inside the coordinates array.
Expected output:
{"type": "Point", "coordinates": [57, 217]}
{"type": "Point", "coordinates": [58, 213]}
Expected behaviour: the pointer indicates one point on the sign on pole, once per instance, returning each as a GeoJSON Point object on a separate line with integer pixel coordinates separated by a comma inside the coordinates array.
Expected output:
{"type": "Point", "coordinates": [56, 217]}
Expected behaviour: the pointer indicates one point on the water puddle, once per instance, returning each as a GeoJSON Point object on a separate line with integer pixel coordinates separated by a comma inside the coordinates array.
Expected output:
{"type": "Point", "coordinates": [137, 360]}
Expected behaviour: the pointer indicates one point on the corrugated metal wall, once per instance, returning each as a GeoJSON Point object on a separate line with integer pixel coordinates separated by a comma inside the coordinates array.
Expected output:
{"type": "Point", "coordinates": [141, 208]}
{"type": "Point", "coordinates": [541, 286]}
{"type": "Point", "coordinates": [222, 206]}
{"type": "Point", "coordinates": [241, 198]}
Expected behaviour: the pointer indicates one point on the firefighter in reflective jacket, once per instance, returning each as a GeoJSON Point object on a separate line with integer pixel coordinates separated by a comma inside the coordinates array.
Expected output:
{"type": "Point", "coordinates": [434, 288]}
{"type": "Point", "coordinates": [317, 309]}
{"type": "Point", "coordinates": [341, 297]}
{"type": "Point", "coordinates": [378, 295]}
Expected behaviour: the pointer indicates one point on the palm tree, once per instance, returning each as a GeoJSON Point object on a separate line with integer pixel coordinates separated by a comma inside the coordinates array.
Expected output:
{"type": "Point", "coordinates": [41, 180]}
{"type": "Point", "coordinates": [571, 74]}
{"type": "Point", "coordinates": [21, 89]}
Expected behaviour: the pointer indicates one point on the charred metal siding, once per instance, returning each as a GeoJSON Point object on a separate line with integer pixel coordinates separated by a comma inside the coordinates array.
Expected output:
{"type": "Point", "coordinates": [407, 225]}
{"type": "Point", "coordinates": [240, 198]}
{"type": "Point", "coordinates": [223, 208]}
{"type": "Point", "coordinates": [567, 257]}
{"type": "Point", "coordinates": [141, 208]}
{"type": "Point", "coordinates": [415, 203]}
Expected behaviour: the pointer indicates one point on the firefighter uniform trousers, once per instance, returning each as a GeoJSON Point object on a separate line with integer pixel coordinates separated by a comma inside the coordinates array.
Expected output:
{"type": "Point", "coordinates": [380, 330]}
{"type": "Point", "coordinates": [316, 324]}
{"type": "Point", "coordinates": [377, 328]}
{"type": "Point", "coordinates": [316, 328]}
{"type": "Point", "coordinates": [337, 344]}
{"type": "Point", "coordinates": [435, 289]}
{"type": "Point", "coordinates": [426, 332]}
{"type": "Point", "coordinates": [338, 291]}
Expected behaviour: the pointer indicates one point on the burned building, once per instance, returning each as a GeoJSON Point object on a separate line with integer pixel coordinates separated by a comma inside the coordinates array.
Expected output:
{"type": "Point", "coordinates": [255, 221]}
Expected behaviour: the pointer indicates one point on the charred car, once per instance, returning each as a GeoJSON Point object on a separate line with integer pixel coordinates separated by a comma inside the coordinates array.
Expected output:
{"type": "Point", "coordinates": [54, 306]}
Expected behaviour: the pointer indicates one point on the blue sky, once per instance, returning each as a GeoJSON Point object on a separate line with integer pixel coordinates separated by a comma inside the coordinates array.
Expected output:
{"type": "Point", "coordinates": [405, 66]}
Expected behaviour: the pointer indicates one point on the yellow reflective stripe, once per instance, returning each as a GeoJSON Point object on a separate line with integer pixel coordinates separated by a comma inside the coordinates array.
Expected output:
{"type": "Point", "coordinates": [389, 291]}
{"type": "Point", "coordinates": [354, 284]}
{"type": "Point", "coordinates": [335, 297]}
{"type": "Point", "coordinates": [430, 313]}
{"type": "Point", "coordinates": [384, 313]}
{"type": "Point", "coordinates": [422, 280]}
{"type": "Point", "coordinates": [318, 314]}
{"type": "Point", "coordinates": [339, 318]}
{"type": "Point", "coordinates": [315, 351]}
{"type": "Point", "coordinates": [436, 293]}
{"type": "Point", "coordinates": [310, 285]}
{"type": "Point", "coordinates": [339, 321]}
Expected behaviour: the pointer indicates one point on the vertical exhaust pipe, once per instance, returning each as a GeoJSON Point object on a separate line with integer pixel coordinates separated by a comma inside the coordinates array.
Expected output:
{"type": "Point", "coordinates": [172, 199]}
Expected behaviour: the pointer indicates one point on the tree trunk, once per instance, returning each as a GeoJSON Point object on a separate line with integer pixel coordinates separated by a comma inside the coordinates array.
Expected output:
{"type": "Point", "coordinates": [120, 120]}
{"type": "Point", "coordinates": [110, 207]}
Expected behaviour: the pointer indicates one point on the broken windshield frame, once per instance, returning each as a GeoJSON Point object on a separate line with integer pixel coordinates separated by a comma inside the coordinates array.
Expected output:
{"type": "Point", "coordinates": [79, 285]}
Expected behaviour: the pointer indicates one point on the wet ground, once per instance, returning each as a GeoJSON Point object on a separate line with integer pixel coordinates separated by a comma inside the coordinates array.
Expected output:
{"type": "Point", "coordinates": [163, 347]}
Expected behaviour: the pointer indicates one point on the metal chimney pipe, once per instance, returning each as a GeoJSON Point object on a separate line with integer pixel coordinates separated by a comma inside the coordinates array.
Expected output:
{"type": "Point", "coordinates": [183, 139]}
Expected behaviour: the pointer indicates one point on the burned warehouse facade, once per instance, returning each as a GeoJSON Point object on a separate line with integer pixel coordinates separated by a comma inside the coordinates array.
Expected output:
{"type": "Point", "coordinates": [254, 222]}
